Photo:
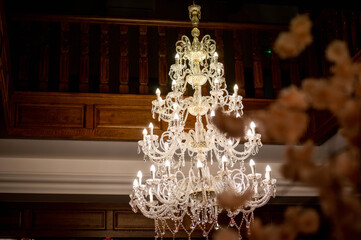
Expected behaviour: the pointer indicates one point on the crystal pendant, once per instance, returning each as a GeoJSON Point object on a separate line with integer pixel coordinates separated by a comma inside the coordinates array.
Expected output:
{"type": "Point", "coordinates": [192, 225]}
{"type": "Point", "coordinates": [216, 226]}
{"type": "Point", "coordinates": [205, 233]}
{"type": "Point", "coordinates": [232, 222]}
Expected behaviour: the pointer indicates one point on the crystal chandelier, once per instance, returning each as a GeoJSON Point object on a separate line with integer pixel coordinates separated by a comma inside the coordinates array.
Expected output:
{"type": "Point", "coordinates": [177, 191]}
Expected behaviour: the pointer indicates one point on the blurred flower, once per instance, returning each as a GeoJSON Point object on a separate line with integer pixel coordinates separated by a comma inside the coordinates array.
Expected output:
{"type": "Point", "coordinates": [231, 200]}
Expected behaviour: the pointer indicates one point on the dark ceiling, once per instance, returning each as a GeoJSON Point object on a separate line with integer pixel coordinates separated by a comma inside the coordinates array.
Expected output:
{"type": "Point", "coordinates": [251, 11]}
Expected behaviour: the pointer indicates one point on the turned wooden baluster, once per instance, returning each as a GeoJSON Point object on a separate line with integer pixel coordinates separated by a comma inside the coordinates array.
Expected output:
{"type": "Point", "coordinates": [355, 47]}
{"type": "Point", "coordinates": [162, 60]}
{"type": "Point", "coordinates": [238, 63]}
{"type": "Point", "coordinates": [44, 58]}
{"type": "Point", "coordinates": [123, 60]}
{"type": "Point", "coordinates": [64, 57]}
{"type": "Point", "coordinates": [104, 58]}
{"type": "Point", "coordinates": [275, 68]}
{"type": "Point", "coordinates": [143, 60]}
{"type": "Point", "coordinates": [84, 58]}
{"type": "Point", "coordinates": [24, 60]}
{"type": "Point", "coordinates": [257, 66]}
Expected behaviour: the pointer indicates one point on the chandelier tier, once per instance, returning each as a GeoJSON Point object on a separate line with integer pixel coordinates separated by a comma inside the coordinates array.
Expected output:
{"type": "Point", "coordinates": [175, 190]}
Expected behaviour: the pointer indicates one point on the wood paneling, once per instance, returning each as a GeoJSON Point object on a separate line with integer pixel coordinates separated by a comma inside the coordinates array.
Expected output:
{"type": "Point", "coordinates": [88, 115]}
{"type": "Point", "coordinates": [49, 115]}
{"type": "Point", "coordinates": [10, 219]}
{"type": "Point", "coordinates": [68, 219]}
{"type": "Point", "coordinates": [121, 221]}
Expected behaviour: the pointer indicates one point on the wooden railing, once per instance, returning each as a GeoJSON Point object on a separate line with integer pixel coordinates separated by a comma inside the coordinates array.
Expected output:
{"type": "Point", "coordinates": [107, 55]}
{"type": "Point", "coordinates": [64, 69]}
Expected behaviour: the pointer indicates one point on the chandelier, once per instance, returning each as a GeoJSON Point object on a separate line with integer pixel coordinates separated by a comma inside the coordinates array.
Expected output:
{"type": "Point", "coordinates": [177, 192]}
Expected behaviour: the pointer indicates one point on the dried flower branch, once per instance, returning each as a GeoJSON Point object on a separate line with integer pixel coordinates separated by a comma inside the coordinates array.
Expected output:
{"type": "Point", "coordinates": [290, 44]}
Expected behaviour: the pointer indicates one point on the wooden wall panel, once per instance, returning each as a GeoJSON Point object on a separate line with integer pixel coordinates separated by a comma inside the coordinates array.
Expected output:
{"type": "Point", "coordinates": [121, 221]}
{"type": "Point", "coordinates": [68, 219]}
{"type": "Point", "coordinates": [123, 117]}
{"type": "Point", "coordinates": [10, 219]}
{"type": "Point", "coordinates": [49, 115]}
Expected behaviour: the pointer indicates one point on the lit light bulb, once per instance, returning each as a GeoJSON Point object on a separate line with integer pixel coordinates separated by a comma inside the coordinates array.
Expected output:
{"type": "Point", "coordinates": [167, 165]}
{"type": "Point", "coordinates": [213, 113]}
{"type": "Point", "coordinates": [216, 81]}
{"type": "Point", "coordinates": [249, 133]}
{"type": "Point", "coordinates": [157, 92]}
{"type": "Point", "coordinates": [252, 164]}
{"type": "Point", "coordinates": [199, 164]}
{"type": "Point", "coordinates": [174, 83]}
{"type": "Point", "coordinates": [230, 142]}
{"type": "Point", "coordinates": [135, 183]}
{"type": "Point", "coordinates": [238, 115]}
{"type": "Point", "coordinates": [176, 56]}
{"type": "Point", "coordinates": [140, 175]}
{"type": "Point", "coordinates": [215, 54]}
{"type": "Point", "coordinates": [253, 125]}
{"type": "Point", "coordinates": [145, 132]}
{"type": "Point", "coordinates": [235, 88]}
{"type": "Point", "coordinates": [152, 170]}
{"type": "Point", "coordinates": [151, 128]}
{"type": "Point", "coordinates": [150, 195]}
{"type": "Point", "coordinates": [176, 117]}
{"type": "Point", "coordinates": [224, 162]}
{"type": "Point", "coordinates": [268, 173]}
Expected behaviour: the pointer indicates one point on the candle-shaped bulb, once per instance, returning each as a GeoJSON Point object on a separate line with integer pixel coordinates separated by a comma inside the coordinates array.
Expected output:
{"type": "Point", "coordinates": [238, 115]}
{"type": "Point", "coordinates": [199, 164]}
{"type": "Point", "coordinates": [145, 132]}
{"type": "Point", "coordinates": [152, 170]}
{"type": "Point", "coordinates": [157, 92]}
{"type": "Point", "coordinates": [213, 113]}
{"type": "Point", "coordinates": [253, 125]}
{"type": "Point", "coordinates": [135, 183]}
{"type": "Point", "coordinates": [224, 162]}
{"type": "Point", "coordinates": [174, 83]}
{"type": "Point", "coordinates": [151, 128]}
{"type": "Point", "coordinates": [215, 54]}
{"type": "Point", "coordinates": [176, 56]}
{"type": "Point", "coordinates": [252, 164]}
{"type": "Point", "coordinates": [140, 175]}
{"type": "Point", "coordinates": [176, 117]}
{"type": "Point", "coordinates": [230, 142]}
{"type": "Point", "coordinates": [167, 165]}
{"type": "Point", "coordinates": [216, 81]}
{"type": "Point", "coordinates": [268, 173]}
{"type": "Point", "coordinates": [235, 88]}
{"type": "Point", "coordinates": [150, 195]}
{"type": "Point", "coordinates": [249, 133]}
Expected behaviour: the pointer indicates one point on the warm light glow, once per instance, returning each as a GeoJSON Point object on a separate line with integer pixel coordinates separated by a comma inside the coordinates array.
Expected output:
{"type": "Point", "coordinates": [139, 175]}
{"type": "Point", "coordinates": [224, 159]}
{"type": "Point", "coordinates": [199, 164]}
{"type": "Point", "coordinates": [157, 92]}
{"type": "Point", "coordinates": [230, 142]}
{"type": "Point", "coordinates": [150, 195]}
{"type": "Point", "coordinates": [268, 168]}
{"type": "Point", "coordinates": [215, 54]}
{"type": "Point", "coordinates": [174, 83]}
{"type": "Point", "coordinates": [176, 117]}
{"type": "Point", "coordinates": [251, 162]}
{"type": "Point", "coordinates": [235, 88]}
{"type": "Point", "coordinates": [176, 56]}
{"type": "Point", "coordinates": [135, 183]}
{"type": "Point", "coordinates": [152, 170]}
{"type": "Point", "coordinates": [253, 125]}
{"type": "Point", "coordinates": [216, 81]}
{"type": "Point", "coordinates": [249, 133]}
{"type": "Point", "coordinates": [145, 132]}
{"type": "Point", "coordinates": [151, 125]}
{"type": "Point", "coordinates": [213, 113]}
{"type": "Point", "coordinates": [238, 115]}
{"type": "Point", "coordinates": [167, 163]}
